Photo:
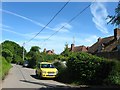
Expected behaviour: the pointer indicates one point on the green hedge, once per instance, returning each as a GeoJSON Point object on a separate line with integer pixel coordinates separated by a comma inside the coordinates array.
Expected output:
{"type": "Point", "coordinates": [114, 76]}
{"type": "Point", "coordinates": [4, 67]}
{"type": "Point", "coordinates": [84, 68]}
{"type": "Point", "coordinates": [62, 72]}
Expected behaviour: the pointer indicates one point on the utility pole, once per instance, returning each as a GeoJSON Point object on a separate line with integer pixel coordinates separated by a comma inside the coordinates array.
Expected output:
{"type": "Point", "coordinates": [23, 50]}
{"type": "Point", "coordinates": [73, 40]}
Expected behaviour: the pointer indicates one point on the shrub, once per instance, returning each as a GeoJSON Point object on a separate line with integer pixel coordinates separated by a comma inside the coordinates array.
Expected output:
{"type": "Point", "coordinates": [114, 76]}
{"type": "Point", "coordinates": [62, 74]}
{"type": "Point", "coordinates": [85, 68]}
{"type": "Point", "coordinates": [4, 67]}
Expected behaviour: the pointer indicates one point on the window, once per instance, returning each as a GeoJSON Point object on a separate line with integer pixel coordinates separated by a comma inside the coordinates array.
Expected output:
{"type": "Point", "coordinates": [47, 66]}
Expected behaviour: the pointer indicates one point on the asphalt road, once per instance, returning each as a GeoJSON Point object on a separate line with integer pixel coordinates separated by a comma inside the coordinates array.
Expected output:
{"type": "Point", "coordinates": [21, 77]}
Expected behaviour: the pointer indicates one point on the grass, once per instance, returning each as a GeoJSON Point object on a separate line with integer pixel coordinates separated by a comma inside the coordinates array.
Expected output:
{"type": "Point", "coordinates": [4, 67]}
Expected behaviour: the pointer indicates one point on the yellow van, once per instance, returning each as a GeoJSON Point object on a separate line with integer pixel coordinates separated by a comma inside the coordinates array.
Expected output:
{"type": "Point", "coordinates": [46, 70]}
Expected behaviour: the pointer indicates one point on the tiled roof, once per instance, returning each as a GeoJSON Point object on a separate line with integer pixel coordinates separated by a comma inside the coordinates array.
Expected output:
{"type": "Point", "coordinates": [79, 49]}
{"type": "Point", "coordinates": [108, 44]}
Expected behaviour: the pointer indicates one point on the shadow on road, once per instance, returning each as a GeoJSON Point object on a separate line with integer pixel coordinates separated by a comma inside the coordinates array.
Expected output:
{"type": "Point", "coordinates": [35, 77]}
{"type": "Point", "coordinates": [45, 84]}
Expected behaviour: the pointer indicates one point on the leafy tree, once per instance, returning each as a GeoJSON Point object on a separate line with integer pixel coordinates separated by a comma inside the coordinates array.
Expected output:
{"type": "Point", "coordinates": [15, 49]}
{"type": "Point", "coordinates": [33, 56]}
{"type": "Point", "coordinates": [48, 57]}
{"type": "Point", "coordinates": [7, 55]}
{"type": "Point", "coordinates": [35, 48]}
{"type": "Point", "coordinates": [66, 51]}
{"type": "Point", "coordinates": [17, 59]}
{"type": "Point", "coordinates": [115, 19]}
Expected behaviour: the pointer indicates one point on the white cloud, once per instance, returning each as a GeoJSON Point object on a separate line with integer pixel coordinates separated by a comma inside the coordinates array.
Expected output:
{"type": "Point", "coordinates": [58, 42]}
{"type": "Point", "coordinates": [23, 17]}
{"type": "Point", "coordinates": [11, 31]}
{"type": "Point", "coordinates": [57, 27]}
{"type": "Point", "coordinates": [5, 26]}
{"type": "Point", "coordinates": [100, 14]}
{"type": "Point", "coordinates": [89, 40]}
{"type": "Point", "coordinates": [42, 36]}
{"type": "Point", "coordinates": [66, 27]}
{"type": "Point", "coordinates": [28, 35]}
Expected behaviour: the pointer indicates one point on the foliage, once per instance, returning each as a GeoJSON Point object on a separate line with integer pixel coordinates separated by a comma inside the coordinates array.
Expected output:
{"type": "Point", "coordinates": [33, 56]}
{"type": "Point", "coordinates": [116, 18]}
{"type": "Point", "coordinates": [13, 48]}
{"type": "Point", "coordinates": [84, 68]}
{"type": "Point", "coordinates": [35, 48]}
{"type": "Point", "coordinates": [17, 59]}
{"type": "Point", "coordinates": [7, 55]}
{"type": "Point", "coordinates": [62, 70]}
{"type": "Point", "coordinates": [4, 67]}
{"type": "Point", "coordinates": [114, 76]}
{"type": "Point", "coordinates": [62, 58]}
{"type": "Point", "coordinates": [66, 51]}
{"type": "Point", "coordinates": [48, 57]}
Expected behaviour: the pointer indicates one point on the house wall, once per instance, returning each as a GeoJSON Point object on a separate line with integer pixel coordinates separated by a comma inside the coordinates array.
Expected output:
{"type": "Point", "coordinates": [110, 55]}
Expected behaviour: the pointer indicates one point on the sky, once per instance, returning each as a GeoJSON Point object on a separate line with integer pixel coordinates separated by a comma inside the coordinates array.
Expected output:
{"type": "Point", "coordinates": [21, 21]}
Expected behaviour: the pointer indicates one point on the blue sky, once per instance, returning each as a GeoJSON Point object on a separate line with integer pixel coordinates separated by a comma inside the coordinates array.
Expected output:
{"type": "Point", "coordinates": [22, 20]}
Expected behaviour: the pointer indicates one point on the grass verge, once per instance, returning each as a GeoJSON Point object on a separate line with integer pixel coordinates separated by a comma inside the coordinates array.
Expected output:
{"type": "Point", "coordinates": [4, 67]}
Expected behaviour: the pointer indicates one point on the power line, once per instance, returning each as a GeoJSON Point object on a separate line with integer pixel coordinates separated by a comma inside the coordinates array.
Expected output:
{"type": "Point", "coordinates": [69, 21]}
{"type": "Point", "coordinates": [49, 21]}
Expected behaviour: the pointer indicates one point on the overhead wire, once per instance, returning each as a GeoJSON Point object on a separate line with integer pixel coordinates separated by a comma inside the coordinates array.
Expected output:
{"type": "Point", "coordinates": [69, 21]}
{"type": "Point", "coordinates": [49, 21]}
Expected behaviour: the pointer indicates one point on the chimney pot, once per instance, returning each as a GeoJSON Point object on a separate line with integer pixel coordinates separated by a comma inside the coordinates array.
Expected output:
{"type": "Point", "coordinates": [72, 47]}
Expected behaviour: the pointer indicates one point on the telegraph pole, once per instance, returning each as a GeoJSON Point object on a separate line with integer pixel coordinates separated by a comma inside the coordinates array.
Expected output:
{"type": "Point", "coordinates": [23, 50]}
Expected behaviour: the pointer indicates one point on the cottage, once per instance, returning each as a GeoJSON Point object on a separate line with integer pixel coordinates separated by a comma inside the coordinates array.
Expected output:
{"type": "Point", "coordinates": [108, 47]}
{"type": "Point", "coordinates": [77, 48]}
{"type": "Point", "coordinates": [107, 44]}
{"type": "Point", "coordinates": [50, 52]}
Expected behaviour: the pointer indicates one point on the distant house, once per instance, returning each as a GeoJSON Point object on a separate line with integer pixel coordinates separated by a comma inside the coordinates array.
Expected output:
{"type": "Point", "coordinates": [74, 48]}
{"type": "Point", "coordinates": [108, 47]}
{"type": "Point", "coordinates": [106, 44]}
{"type": "Point", "coordinates": [50, 52]}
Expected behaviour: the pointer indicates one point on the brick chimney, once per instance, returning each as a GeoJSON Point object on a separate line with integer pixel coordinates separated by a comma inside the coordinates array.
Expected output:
{"type": "Point", "coordinates": [72, 47]}
{"type": "Point", "coordinates": [117, 33]}
{"type": "Point", "coordinates": [99, 39]}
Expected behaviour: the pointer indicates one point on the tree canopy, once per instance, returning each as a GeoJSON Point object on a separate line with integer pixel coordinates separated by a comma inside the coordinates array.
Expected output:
{"type": "Point", "coordinates": [115, 19]}
{"type": "Point", "coordinates": [12, 51]}
{"type": "Point", "coordinates": [33, 56]}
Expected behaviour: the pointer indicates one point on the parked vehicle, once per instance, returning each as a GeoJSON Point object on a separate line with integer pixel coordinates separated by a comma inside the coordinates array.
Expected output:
{"type": "Point", "coordinates": [25, 64]}
{"type": "Point", "coordinates": [46, 70]}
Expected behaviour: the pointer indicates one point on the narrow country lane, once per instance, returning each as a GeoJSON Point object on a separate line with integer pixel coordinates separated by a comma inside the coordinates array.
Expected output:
{"type": "Point", "coordinates": [21, 77]}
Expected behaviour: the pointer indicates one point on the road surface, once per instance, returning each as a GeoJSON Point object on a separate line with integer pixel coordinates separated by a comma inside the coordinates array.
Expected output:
{"type": "Point", "coordinates": [21, 77]}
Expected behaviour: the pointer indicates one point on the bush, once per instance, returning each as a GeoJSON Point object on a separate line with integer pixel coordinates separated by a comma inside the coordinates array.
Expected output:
{"type": "Point", "coordinates": [7, 55]}
{"type": "Point", "coordinates": [47, 57]}
{"type": "Point", "coordinates": [114, 76]}
{"type": "Point", "coordinates": [4, 67]}
{"type": "Point", "coordinates": [62, 74]}
{"type": "Point", "coordinates": [84, 68]}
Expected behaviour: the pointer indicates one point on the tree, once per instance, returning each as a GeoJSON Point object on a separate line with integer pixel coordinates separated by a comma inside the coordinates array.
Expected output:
{"type": "Point", "coordinates": [33, 56]}
{"type": "Point", "coordinates": [66, 51]}
{"type": "Point", "coordinates": [7, 55]}
{"type": "Point", "coordinates": [35, 48]}
{"type": "Point", "coordinates": [115, 20]}
{"type": "Point", "coordinates": [15, 49]}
